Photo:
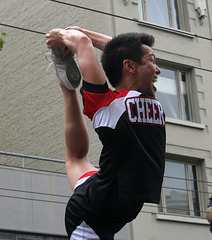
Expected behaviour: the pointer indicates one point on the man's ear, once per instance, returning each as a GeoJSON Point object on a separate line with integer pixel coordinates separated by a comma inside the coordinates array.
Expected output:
{"type": "Point", "coordinates": [129, 65]}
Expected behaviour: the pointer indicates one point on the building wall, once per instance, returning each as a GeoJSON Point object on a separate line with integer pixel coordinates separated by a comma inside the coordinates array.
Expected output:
{"type": "Point", "coordinates": [33, 201]}
{"type": "Point", "coordinates": [32, 114]}
{"type": "Point", "coordinates": [31, 99]}
{"type": "Point", "coordinates": [184, 139]}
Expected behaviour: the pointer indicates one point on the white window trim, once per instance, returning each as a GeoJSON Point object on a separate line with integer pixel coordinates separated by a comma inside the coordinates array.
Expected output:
{"type": "Point", "coordinates": [162, 27]}
{"type": "Point", "coordinates": [185, 123]}
{"type": "Point", "coordinates": [182, 219]}
{"type": "Point", "coordinates": [179, 93]}
{"type": "Point", "coordinates": [167, 29]}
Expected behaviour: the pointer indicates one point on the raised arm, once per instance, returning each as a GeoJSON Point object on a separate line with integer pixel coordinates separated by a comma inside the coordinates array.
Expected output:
{"type": "Point", "coordinates": [82, 45]}
{"type": "Point", "coordinates": [99, 40]}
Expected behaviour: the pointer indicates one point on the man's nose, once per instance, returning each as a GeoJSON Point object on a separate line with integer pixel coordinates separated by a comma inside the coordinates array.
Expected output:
{"type": "Point", "coordinates": [158, 70]}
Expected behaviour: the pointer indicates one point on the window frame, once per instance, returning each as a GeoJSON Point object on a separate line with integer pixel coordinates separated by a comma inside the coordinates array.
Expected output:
{"type": "Point", "coordinates": [180, 94]}
{"type": "Point", "coordinates": [188, 75]}
{"type": "Point", "coordinates": [143, 15]}
{"type": "Point", "coordinates": [162, 207]}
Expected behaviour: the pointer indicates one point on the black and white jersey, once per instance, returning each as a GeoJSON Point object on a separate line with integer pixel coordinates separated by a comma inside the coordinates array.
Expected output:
{"type": "Point", "coordinates": [131, 127]}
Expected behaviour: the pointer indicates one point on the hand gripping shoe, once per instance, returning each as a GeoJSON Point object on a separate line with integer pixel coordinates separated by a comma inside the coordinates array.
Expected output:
{"type": "Point", "coordinates": [66, 69]}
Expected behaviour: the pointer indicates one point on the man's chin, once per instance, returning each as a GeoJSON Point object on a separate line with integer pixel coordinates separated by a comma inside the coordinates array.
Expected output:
{"type": "Point", "coordinates": [154, 90]}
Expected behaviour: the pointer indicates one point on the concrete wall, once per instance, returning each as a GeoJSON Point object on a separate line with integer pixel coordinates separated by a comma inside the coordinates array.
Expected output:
{"type": "Point", "coordinates": [31, 99]}
{"type": "Point", "coordinates": [33, 201]}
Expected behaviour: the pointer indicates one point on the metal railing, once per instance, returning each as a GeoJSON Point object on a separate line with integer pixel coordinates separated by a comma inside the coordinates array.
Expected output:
{"type": "Point", "coordinates": [23, 158]}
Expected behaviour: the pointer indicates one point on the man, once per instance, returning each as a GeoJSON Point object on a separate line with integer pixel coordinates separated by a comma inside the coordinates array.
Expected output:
{"type": "Point", "coordinates": [130, 123]}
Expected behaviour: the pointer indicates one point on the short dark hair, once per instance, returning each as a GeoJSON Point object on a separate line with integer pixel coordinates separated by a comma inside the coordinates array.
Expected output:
{"type": "Point", "coordinates": [124, 46]}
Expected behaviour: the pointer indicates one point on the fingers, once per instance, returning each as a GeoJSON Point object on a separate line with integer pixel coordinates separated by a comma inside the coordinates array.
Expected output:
{"type": "Point", "coordinates": [48, 41]}
{"type": "Point", "coordinates": [72, 27]}
{"type": "Point", "coordinates": [48, 45]}
{"type": "Point", "coordinates": [54, 38]}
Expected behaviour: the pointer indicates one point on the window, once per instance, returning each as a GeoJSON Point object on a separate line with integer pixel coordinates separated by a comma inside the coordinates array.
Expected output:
{"type": "Point", "coordinates": [8, 236]}
{"type": "Point", "coordinates": [19, 236]}
{"type": "Point", "coordinates": [173, 94]}
{"type": "Point", "coordinates": [180, 190]}
{"type": "Point", "coordinates": [162, 12]}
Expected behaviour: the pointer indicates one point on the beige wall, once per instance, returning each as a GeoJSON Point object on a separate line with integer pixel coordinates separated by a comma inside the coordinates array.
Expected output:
{"type": "Point", "coordinates": [31, 111]}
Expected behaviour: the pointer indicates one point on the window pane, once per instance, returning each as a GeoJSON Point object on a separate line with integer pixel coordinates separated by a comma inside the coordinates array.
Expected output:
{"type": "Point", "coordinates": [7, 236]}
{"type": "Point", "coordinates": [184, 95]}
{"type": "Point", "coordinates": [160, 207]}
{"type": "Point", "coordinates": [140, 7]}
{"type": "Point", "coordinates": [29, 237]}
{"type": "Point", "coordinates": [175, 14]}
{"type": "Point", "coordinates": [167, 92]}
{"type": "Point", "coordinates": [157, 12]}
{"type": "Point", "coordinates": [175, 187]}
{"type": "Point", "coordinates": [194, 188]}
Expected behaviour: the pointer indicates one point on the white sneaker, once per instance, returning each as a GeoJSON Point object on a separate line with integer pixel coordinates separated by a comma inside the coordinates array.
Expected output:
{"type": "Point", "coordinates": [66, 69]}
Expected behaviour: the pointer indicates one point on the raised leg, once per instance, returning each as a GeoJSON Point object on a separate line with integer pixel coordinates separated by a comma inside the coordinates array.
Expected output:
{"type": "Point", "coordinates": [76, 138]}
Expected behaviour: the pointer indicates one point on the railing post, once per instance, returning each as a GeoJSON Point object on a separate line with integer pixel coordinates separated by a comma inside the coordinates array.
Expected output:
{"type": "Point", "coordinates": [22, 159]}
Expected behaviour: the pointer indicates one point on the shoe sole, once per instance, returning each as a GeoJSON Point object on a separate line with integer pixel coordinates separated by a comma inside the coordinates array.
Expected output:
{"type": "Point", "coordinates": [72, 71]}
{"type": "Point", "coordinates": [69, 67]}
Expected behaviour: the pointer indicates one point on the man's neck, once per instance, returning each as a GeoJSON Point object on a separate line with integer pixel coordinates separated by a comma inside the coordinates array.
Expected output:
{"type": "Point", "coordinates": [127, 84]}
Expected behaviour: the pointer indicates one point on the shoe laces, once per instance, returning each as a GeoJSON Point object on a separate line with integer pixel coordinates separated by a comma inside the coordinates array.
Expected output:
{"type": "Point", "coordinates": [48, 59]}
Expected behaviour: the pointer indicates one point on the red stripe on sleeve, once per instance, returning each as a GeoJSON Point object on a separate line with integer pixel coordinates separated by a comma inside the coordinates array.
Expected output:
{"type": "Point", "coordinates": [95, 101]}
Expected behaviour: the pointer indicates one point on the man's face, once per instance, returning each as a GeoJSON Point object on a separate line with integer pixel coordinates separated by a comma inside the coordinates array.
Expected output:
{"type": "Point", "coordinates": [147, 72]}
